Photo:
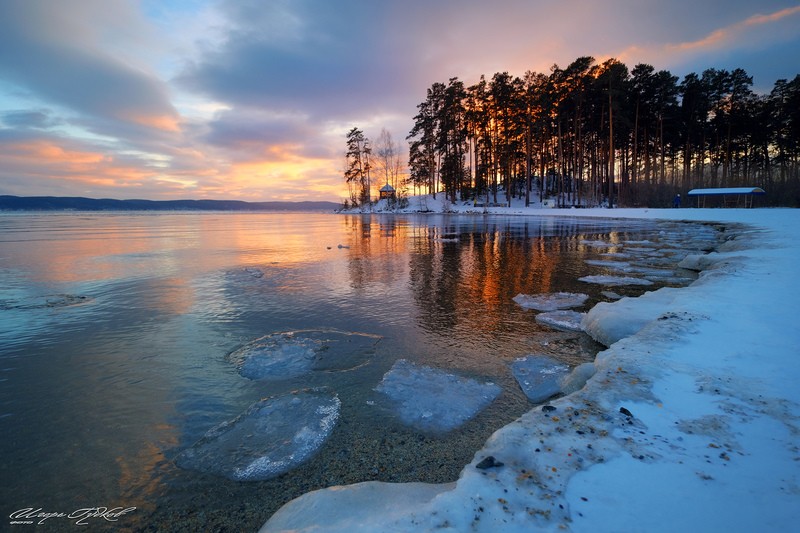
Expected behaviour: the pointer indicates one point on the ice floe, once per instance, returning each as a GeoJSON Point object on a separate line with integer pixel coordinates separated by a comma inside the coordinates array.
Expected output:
{"type": "Point", "coordinates": [434, 400]}
{"type": "Point", "coordinates": [614, 280]}
{"type": "Point", "coordinates": [609, 322]}
{"type": "Point", "coordinates": [551, 301]}
{"type": "Point", "coordinates": [562, 319]}
{"type": "Point", "coordinates": [271, 437]}
{"type": "Point", "coordinates": [277, 356]}
{"type": "Point", "coordinates": [539, 376]}
{"type": "Point", "coordinates": [290, 354]}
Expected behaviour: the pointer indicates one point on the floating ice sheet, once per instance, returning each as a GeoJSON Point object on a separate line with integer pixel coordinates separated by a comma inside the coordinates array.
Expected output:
{"type": "Point", "coordinates": [291, 354]}
{"type": "Point", "coordinates": [615, 280]}
{"type": "Point", "coordinates": [551, 301]}
{"type": "Point", "coordinates": [539, 376]}
{"type": "Point", "coordinates": [50, 301]}
{"type": "Point", "coordinates": [271, 437]}
{"type": "Point", "coordinates": [562, 319]}
{"type": "Point", "coordinates": [434, 400]}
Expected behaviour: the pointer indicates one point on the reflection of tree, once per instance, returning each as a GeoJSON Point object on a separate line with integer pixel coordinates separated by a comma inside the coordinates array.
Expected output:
{"type": "Point", "coordinates": [375, 251]}
{"type": "Point", "coordinates": [463, 273]}
{"type": "Point", "coordinates": [465, 277]}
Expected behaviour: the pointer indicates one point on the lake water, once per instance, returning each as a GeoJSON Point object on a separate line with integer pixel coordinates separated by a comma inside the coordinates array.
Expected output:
{"type": "Point", "coordinates": [117, 329]}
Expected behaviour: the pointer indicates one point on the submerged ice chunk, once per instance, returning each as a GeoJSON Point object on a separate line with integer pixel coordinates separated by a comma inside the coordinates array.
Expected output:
{"type": "Point", "coordinates": [271, 437]}
{"type": "Point", "coordinates": [562, 319]}
{"type": "Point", "coordinates": [539, 376]}
{"type": "Point", "coordinates": [615, 280]}
{"type": "Point", "coordinates": [551, 301]}
{"type": "Point", "coordinates": [278, 356]}
{"type": "Point", "coordinates": [290, 354]}
{"type": "Point", "coordinates": [434, 400]}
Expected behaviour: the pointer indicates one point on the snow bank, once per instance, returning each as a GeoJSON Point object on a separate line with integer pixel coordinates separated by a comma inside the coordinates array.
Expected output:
{"type": "Point", "coordinates": [608, 322]}
{"type": "Point", "coordinates": [689, 423]}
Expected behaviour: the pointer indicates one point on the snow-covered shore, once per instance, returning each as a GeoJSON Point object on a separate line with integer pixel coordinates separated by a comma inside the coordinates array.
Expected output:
{"type": "Point", "coordinates": [691, 422]}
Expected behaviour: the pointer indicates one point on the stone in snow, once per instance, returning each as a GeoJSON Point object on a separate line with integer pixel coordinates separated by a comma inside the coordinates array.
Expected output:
{"type": "Point", "coordinates": [271, 437]}
{"type": "Point", "coordinates": [434, 400]}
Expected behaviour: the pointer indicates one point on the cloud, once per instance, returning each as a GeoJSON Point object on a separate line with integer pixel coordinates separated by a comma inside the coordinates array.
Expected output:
{"type": "Point", "coordinates": [29, 119]}
{"type": "Point", "coordinates": [730, 36]}
{"type": "Point", "coordinates": [251, 99]}
{"type": "Point", "coordinates": [763, 43]}
{"type": "Point", "coordinates": [72, 54]}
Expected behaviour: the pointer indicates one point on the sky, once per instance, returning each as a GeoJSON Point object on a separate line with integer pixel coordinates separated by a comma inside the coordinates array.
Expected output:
{"type": "Point", "coordinates": [252, 99]}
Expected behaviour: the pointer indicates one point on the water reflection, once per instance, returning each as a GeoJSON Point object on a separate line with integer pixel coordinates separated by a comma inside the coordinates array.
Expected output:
{"type": "Point", "coordinates": [99, 395]}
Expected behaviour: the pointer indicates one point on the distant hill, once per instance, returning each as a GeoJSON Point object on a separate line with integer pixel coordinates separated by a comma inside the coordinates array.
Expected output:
{"type": "Point", "coordinates": [59, 203]}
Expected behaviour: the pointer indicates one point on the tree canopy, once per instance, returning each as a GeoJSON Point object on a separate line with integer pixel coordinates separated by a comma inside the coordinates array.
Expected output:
{"type": "Point", "coordinates": [595, 134]}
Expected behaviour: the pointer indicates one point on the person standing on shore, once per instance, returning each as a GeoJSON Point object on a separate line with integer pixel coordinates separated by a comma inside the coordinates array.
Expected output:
{"type": "Point", "coordinates": [676, 202]}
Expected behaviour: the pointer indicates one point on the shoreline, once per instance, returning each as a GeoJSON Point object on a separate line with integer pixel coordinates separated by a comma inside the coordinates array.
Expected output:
{"type": "Point", "coordinates": [558, 465]}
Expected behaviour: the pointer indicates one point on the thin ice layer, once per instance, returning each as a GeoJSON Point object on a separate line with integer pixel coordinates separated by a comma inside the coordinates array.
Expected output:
{"type": "Point", "coordinates": [539, 376]}
{"type": "Point", "coordinates": [271, 437]}
{"type": "Point", "coordinates": [278, 356]}
{"type": "Point", "coordinates": [434, 400]}
{"type": "Point", "coordinates": [551, 301]}
{"type": "Point", "coordinates": [562, 319]}
{"type": "Point", "coordinates": [615, 280]}
{"type": "Point", "coordinates": [294, 353]}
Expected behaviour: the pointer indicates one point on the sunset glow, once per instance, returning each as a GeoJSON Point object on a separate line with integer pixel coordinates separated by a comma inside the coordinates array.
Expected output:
{"type": "Point", "coordinates": [252, 100]}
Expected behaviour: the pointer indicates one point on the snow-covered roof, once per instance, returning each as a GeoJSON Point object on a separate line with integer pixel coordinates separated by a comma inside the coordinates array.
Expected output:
{"type": "Point", "coordinates": [387, 188]}
{"type": "Point", "coordinates": [727, 190]}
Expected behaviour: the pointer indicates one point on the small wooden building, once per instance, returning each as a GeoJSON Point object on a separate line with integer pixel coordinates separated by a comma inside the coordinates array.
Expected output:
{"type": "Point", "coordinates": [387, 191]}
{"type": "Point", "coordinates": [731, 196]}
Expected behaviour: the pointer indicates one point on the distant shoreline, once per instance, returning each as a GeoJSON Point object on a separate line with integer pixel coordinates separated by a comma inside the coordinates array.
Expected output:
{"type": "Point", "coordinates": [69, 203]}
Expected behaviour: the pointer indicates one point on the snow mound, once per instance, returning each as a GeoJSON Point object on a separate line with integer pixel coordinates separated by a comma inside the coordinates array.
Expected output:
{"type": "Point", "coordinates": [349, 510]}
{"type": "Point", "coordinates": [539, 376]}
{"type": "Point", "coordinates": [562, 319]}
{"type": "Point", "coordinates": [294, 353]}
{"type": "Point", "coordinates": [271, 437]}
{"type": "Point", "coordinates": [614, 280]}
{"type": "Point", "coordinates": [608, 322]}
{"type": "Point", "coordinates": [577, 378]}
{"type": "Point", "coordinates": [551, 301]}
{"type": "Point", "coordinates": [434, 400]}
{"type": "Point", "coordinates": [698, 262]}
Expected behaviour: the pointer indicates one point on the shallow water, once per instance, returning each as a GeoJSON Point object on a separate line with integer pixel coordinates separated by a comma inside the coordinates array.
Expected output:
{"type": "Point", "coordinates": [117, 329]}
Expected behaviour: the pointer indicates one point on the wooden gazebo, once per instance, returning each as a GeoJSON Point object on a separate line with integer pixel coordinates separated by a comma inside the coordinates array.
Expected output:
{"type": "Point", "coordinates": [731, 196]}
{"type": "Point", "coordinates": [387, 191]}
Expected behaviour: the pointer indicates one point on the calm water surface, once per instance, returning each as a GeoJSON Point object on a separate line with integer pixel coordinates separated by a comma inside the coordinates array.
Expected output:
{"type": "Point", "coordinates": [115, 330]}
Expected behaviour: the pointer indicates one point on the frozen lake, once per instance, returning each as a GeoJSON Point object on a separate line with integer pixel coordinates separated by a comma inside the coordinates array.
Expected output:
{"type": "Point", "coordinates": [126, 337]}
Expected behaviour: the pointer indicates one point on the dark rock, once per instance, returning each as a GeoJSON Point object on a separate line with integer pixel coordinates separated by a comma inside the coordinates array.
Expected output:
{"type": "Point", "coordinates": [548, 408]}
{"type": "Point", "coordinates": [625, 412]}
{"type": "Point", "coordinates": [489, 462]}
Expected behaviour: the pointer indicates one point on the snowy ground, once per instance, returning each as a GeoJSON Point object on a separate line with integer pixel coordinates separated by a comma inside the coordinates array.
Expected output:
{"type": "Point", "coordinates": [691, 421]}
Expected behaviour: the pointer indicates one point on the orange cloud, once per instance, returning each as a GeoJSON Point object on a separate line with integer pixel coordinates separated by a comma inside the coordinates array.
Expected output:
{"type": "Point", "coordinates": [723, 35]}
{"type": "Point", "coordinates": [46, 151]}
{"type": "Point", "coordinates": [159, 122]}
{"type": "Point", "coordinates": [46, 158]}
